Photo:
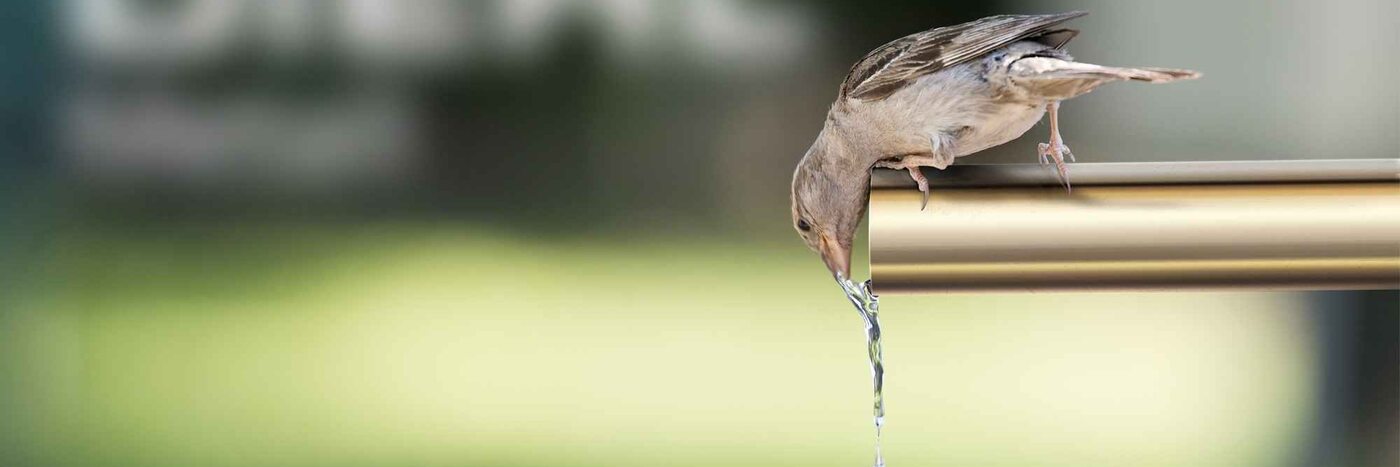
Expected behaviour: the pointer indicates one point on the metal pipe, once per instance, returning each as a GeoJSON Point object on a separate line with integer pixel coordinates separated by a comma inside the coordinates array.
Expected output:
{"type": "Point", "coordinates": [1177, 225]}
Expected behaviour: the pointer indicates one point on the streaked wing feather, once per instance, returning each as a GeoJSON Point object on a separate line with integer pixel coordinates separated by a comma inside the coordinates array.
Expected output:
{"type": "Point", "coordinates": [898, 63]}
{"type": "Point", "coordinates": [1056, 39]}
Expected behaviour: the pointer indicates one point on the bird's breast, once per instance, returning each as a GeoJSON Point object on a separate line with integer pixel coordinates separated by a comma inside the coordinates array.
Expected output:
{"type": "Point", "coordinates": [998, 125]}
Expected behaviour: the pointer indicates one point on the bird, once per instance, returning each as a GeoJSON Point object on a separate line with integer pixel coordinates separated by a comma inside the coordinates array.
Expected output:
{"type": "Point", "coordinates": [925, 99]}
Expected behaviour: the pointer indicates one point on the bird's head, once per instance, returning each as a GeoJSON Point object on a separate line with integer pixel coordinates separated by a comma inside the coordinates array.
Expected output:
{"type": "Point", "coordinates": [828, 202]}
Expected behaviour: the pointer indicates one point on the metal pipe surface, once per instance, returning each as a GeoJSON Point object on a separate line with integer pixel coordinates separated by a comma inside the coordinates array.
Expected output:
{"type": "Point", "coordinates": [1134, 226]}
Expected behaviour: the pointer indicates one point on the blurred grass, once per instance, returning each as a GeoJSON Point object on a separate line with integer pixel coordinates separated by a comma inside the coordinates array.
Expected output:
{"type": "Point", "coordinates": [402, 343]}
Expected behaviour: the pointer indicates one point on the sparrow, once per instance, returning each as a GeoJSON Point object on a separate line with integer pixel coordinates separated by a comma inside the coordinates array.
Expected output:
{"type": "Point", "coordinates": [925, 99]}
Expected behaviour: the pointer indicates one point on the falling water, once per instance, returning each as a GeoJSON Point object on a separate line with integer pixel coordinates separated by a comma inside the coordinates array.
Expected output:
{"type": "Point", "coordinates": [868, 305]}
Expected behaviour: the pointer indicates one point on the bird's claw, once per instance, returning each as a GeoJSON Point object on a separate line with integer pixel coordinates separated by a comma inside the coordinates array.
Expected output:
{"type": "Point", "coordinates": [918, 176]}
{"type": "Point", "coordinates": [912, 164]}
{"type": "Point", "coordinates": [1044, 150]}
{"type": "Point", "coordinates": [1056, 152]}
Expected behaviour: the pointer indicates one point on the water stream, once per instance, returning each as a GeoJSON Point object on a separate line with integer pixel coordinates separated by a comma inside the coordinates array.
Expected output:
{"type": "Point", "coordinates": [868, 305]}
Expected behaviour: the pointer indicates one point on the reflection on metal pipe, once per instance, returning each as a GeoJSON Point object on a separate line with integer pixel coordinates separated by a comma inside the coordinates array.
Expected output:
{"type": "Point", "coordinates": [1282, 225]}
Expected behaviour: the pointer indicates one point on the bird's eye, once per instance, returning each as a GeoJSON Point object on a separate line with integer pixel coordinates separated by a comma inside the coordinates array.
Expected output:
{"type": "Point", "coordinates": [803, 225]}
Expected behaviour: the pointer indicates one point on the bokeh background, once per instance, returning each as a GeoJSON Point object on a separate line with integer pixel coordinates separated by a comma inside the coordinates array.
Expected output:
{"type": "Point", "coordinates": [555, 232]}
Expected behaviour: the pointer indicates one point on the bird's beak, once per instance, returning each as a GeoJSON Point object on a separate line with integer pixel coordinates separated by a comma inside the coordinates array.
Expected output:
{"type": "Point", "coordinates": [836, 257]}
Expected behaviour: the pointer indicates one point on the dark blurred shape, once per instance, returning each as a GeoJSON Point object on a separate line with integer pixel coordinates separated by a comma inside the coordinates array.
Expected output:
{"type": "Point", "coordinates": [27, 67]}
{"type": "Point", "coordinates": [1358, 415]}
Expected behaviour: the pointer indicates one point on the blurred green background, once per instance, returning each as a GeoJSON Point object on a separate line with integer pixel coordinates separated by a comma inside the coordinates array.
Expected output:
{"type": "Point", "coordinates": [553, 232]}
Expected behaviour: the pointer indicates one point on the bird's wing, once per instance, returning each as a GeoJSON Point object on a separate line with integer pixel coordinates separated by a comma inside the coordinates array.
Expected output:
{"type": "Point", "coordinates": [898, 63]}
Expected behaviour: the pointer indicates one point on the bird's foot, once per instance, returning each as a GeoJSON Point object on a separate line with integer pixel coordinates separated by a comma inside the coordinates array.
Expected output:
{"type": "Point", "coordinates": [914, 165]}
{"type": "Point", "coordinates": [1056, 151]}
{"type": "Point", "coordinates": [1044, 150]}
{"type": "Point", "coordinates": [918, 175]}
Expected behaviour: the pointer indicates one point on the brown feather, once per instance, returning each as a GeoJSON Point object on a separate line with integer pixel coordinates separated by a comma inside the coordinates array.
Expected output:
{"type": "Point", "coordinates": [1056, 39]}
{"type": "Point", "coordinates": [894, 65]}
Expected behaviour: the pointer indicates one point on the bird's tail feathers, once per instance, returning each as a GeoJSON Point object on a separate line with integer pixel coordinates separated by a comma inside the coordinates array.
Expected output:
{"type": "Point", "coordinates": [1057, 69]}
{"type": "Point", "coordinates": [1045, 68]}
{"type": "Point", "coordinates": [1151, 75]}
{"type": "Point", "coordinates": [1053, 78]}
